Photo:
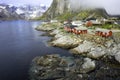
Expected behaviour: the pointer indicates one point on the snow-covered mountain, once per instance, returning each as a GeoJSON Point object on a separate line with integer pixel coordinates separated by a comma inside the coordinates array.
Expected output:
{"type": "Point", "coordinates": [21, 12]}
{"type": "Point", "coordinates": [8, 12]}
{"type": "Point", "coordinates": [30, 11]}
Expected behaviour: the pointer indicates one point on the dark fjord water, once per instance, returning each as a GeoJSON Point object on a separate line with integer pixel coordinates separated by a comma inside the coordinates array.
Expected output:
{"type": "Point", "coordinates": [19, 44]}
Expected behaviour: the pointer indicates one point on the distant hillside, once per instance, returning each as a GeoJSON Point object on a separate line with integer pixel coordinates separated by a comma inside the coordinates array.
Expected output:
{"type": "Point", "coordinates": [61, 9]}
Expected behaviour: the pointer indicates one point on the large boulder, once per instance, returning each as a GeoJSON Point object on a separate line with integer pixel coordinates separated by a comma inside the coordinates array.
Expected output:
{"type": "Point", "coordinates": [117, 56]}
{"type": "Point", "coordinates": [96, 52]}
{"type": "Point", "coordinates": [113, 50]}
{"type": "Point", "coordinates": [87, 66]}
{"type": "Point", "coordinates": [109, 43]}
{"type": "Point", "coordinates": [83, 48]}
{"type": "Point", "coordinates": [66, 41]}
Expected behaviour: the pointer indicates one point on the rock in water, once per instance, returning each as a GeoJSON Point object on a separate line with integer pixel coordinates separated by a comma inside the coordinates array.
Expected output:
{"type": "Point", "coordinates": [87, 66]}
{"type": "Point", "coordinates": [52, 67]}
{"type": "Point", "coordinates": [117, 56]}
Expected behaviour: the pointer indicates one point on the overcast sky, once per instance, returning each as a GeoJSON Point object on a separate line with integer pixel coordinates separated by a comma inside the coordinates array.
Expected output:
{"type": "Point", "coordinates": [21, 2]}
{"type": "Point", "coordinates": [112, 6]}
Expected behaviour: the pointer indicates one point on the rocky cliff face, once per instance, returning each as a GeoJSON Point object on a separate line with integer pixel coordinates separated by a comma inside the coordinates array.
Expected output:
{"type": "Point", "coordinates": [61, 7]}
{"type": "Point", "coordinates": [58, 7]}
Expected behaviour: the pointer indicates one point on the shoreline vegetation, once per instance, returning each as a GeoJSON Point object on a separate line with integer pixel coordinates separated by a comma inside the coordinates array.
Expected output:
{"type": "Point", "coordinates": [94, 57]}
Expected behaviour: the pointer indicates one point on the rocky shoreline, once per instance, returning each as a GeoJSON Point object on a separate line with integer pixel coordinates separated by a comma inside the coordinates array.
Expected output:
{"type": "Point", "coordinates": [99, 55]}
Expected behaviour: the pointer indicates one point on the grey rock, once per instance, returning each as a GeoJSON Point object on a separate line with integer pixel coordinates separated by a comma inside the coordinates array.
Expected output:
{"type": "Point", "coordinates": [96, 52]}
{"type": "Point", "coordinates": [52, 67]}
{"type": "Point", "coordinates": [87, 66]}
{"type": "Point", "coordinates": [84, 47]}
{"type": "Point", "coordinates": [109, 43]}
{"type": "Point", "coordinates": [117, 56]}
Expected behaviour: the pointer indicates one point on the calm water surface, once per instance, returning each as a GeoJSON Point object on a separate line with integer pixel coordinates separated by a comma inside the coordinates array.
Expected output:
{"type": "Point", "coordinates": [19, 44]}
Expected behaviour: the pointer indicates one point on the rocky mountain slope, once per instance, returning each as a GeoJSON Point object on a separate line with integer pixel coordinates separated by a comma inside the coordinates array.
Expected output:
{"type": "Point", "coordinates": [64, 8]}
{"type": "Point", "coordinates": [58, 7]}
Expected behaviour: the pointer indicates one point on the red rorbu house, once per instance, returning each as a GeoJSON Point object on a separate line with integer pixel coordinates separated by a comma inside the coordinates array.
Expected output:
{"type": "Point", "coordinates": [88, 23]}
{"type": "Point", "coordinates": [75, 30]}
{"type": "Point", "coordinates": [92, 23]}
{"type": "Point", "coordinates": [103, 33]}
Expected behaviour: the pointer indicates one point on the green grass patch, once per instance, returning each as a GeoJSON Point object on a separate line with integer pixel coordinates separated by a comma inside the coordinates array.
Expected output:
{"type": "Point", "coordinates": [107, 26]}
{"type": "Point", "coordinates": [66, 16]}
{"type": "Point", "coordinates": [111, 26]}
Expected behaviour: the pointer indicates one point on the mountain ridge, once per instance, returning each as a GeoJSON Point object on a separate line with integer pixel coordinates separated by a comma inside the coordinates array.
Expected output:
{"type": "Point", "coordinates": [61, 8]}
{"type": "Point", "coordinates": [8, 12]}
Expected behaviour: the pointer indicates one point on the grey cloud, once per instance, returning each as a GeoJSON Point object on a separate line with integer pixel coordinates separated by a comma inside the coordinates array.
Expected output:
{"type": "Point", "coordinates": [111, 6]}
